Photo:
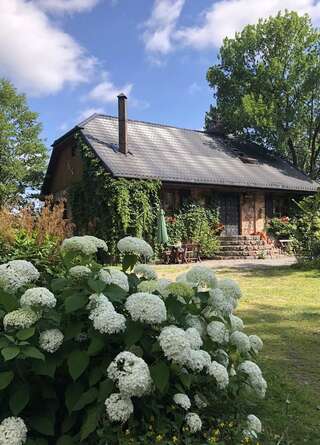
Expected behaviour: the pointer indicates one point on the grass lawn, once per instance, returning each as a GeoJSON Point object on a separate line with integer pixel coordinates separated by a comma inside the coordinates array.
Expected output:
{"type": "Point", "coordinates": [282, 306]}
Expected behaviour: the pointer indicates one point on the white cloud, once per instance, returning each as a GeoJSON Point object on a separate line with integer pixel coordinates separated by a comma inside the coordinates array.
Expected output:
{"type": "Point", "coordinates": [161, 25]}
{"type": "Point", "coordinates": [194, 88]}
{"type": "Point", "coordinates": [225, 17]}
{"type": "Point", "coordinates": [63, 6]}
{"type": "Point", "coordinates": [89, 112]}
{"type": "Point", "coordinates": [106, 91]}
{"type": "Point", "coordinates": [35, 54]}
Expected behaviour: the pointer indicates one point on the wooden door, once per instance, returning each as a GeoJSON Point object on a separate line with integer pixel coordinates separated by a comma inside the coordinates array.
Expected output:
{"type": "Point", "coordinates": [229, 205]}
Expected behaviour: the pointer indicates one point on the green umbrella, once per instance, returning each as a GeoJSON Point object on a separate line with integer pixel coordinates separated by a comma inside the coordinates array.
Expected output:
{"type": "Point", "coordinates": [162, 235]}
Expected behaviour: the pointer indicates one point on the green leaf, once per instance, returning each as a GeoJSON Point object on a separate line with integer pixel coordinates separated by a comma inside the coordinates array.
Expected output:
{"type": "Point", "coordinates": [73, 330]}
{"type": "Point", "coordinates": [47, 367]}
{"type": "Point", "coordinates": [72, 395]}
{"type": "Point", "coordinates": [97, 286]}
{"type": "Point", "coordinates": [78, 362]}
{"type": "Point", "coordinates": [186, 380]}
{"type": "Point", "coordinates": [68, 423]}
{"type": "Point", "coordinates": [160, 374]}
{"type": "Point", "coordinates": [33, 352]}
{"type": "Point", "coordinates": [65, 440]}
{"type": "Point", "coordinates": [85, 399]}
{"type": "Point", "coordinates": [59, 284]}
{"type": "Point", "coordinates": [105, 389]}
{"type": "Point", "coordinates": [5, 379]}
{"type": "Point", "coordinates": [129, 262]}
{"type": "Point", "coordinates": [4, 342]}
{"type": "Point", "coordinates": [133, 333]}
{"type": "Point", "coordinates": [19, 399]}
{"type": "Point", "coordinates": [75, 302]}
{"type": "Point", "coordinates": [10, 352]}
{"type": "Point", "coordinates": [91, 422]}
{"type": "Point", "coordinates": [43, 424]}
{"type": "Point", "coordinates": [8, 302]}
{"type": "Point", "coordinates": [24, 334]}
{"type": "Point", "coordinates": [98, 342]}
{"type": "Point", "coordinates": [95, 375]}
{"type": "Point", "coordinates": [115, 293]}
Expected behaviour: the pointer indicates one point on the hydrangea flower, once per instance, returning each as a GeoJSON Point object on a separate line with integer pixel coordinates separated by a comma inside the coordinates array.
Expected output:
{"type": "Point", "coordinates": [241, 341]}
{"type": "Point", "coordinates": [13, 431]}
{"type": "Point", "coordinates": [20, 319]}
{"type": "Point", "coordinates": [16, 274]}
{"type": "Point", "coordinates": [201, 276]}
{"type": "Point", "coordinates": [194, 338]}
{"type": "Point", "coordinates": [256, 343]}
{"type": "Point", "coordinates": [147, 308]}
{"type": "Point", "coordinates": [200, 401]}
{"type": "Point", "coordinates": [182, 400]}
{"type": "Point", "coordinates": [145, 271]}
{"type": "Point", "coordinates": [38, 297]}
{"type": "Point", "coordinates": [148, 286]}
{"type": "Point", "coordinates": [255, 382]}
{"type": "Point", "coordinates": [218, 332]}
{"type": "Point", "coordinates": [194, 321]}
{"type": "Point", "coordinates": [104, 317]}
{"type": "Point", "coordinates": [236, 323]}
{"type": "Point", "coordinates": [79, 272]}
{"type": "Point", "coordinates": [131, 374]}
{"type": "Point", "coordinates": [135, 246]}
{"type": "Point", "coordinates": [198, 360]}
{"type": "Point", "coordinates": [114, 276]}
{"type": "Point", "coordinates": [193, 422]}
{"type": "Point", "coordinates": [109, 322]}
{"type": "Point", "coordinates": [254, 423]}
{"type": "Point", "coordinates": [51, 340]}
{"type": "Point", "coordinates": [220, 302]}
{"type": "Point", "coordinates": [119, 408]}
{"type": "Point", "coordinates": [175, 344]}
{"type": "Point", "coordinates": [230, 288]}
{"type": "Point", "coordinates": [222, 357]}
{"type": "Point", "coordinates": [220, 374]}
{"type": "Point", "coordinates": [85, 245]}
{"type": "Point", "coordinates": [181, 290]}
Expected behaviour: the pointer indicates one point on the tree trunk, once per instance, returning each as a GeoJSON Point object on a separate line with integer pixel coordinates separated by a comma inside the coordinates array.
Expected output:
{"type": "Point", "coordinates": [292, 152]}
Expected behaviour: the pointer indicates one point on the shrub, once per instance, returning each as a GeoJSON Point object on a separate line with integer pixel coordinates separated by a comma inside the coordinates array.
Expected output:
{"type": "Point", "coordinates": [34, 234]}
{"type": "Point", "coordinates": [197, 224]}
{"type": "Point", "coordinates": [92, 359]}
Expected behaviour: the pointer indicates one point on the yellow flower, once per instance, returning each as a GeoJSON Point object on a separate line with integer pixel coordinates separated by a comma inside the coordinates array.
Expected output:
{"type": "Point", "coordinates": [159, 437]}
{"type": "Point", "coordinates": [175, 439]}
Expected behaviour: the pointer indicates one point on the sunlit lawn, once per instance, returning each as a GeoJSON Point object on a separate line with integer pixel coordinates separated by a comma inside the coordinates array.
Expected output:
{"type": "Point", "coordinates": [282, 305]}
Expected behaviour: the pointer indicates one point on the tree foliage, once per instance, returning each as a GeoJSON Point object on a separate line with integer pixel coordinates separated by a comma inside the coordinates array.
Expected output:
{"type": "Point", "coordinates": [266, 86]}
{"type": "Point", "coordinates": [22, 153]}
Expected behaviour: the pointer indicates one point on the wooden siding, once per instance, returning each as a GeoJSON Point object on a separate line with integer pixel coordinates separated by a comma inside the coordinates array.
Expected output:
{"type": "Point", "coordinates": [68, 169]}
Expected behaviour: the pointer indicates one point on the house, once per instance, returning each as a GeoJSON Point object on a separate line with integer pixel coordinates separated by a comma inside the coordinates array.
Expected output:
{"type": "Point", "coordinates": [248, 183]}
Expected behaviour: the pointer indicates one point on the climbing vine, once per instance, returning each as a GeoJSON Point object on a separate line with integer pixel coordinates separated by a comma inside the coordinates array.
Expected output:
{"type": "Point", "coordinates": [111, 208]}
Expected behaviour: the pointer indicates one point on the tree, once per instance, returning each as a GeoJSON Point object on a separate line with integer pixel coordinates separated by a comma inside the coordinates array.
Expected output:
{"type": "Point", "coordinates": [267, 88]}
{"type": "Point", "coordinates": [22, 153]}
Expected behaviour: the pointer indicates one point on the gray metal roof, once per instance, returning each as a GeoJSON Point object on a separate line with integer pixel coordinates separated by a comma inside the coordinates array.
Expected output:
{"type": "Point", "coordinates": [179, 155]}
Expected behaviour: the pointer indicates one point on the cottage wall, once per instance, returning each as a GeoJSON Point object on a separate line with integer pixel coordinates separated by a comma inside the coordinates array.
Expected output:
{"type": "Point", "coordinates": [68, 169]}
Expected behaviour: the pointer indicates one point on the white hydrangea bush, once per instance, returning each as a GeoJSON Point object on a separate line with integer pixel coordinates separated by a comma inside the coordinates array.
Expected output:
{"type": "Point", "coordinates": [102, 355]}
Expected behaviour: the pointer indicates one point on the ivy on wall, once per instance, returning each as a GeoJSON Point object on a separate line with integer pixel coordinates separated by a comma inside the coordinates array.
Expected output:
{"type": "Point", "coordinates": [111, 208]}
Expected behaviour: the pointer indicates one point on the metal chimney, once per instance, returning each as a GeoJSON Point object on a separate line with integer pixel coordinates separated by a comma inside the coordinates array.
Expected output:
{"type": "Point", "coordinates": [123, 124]}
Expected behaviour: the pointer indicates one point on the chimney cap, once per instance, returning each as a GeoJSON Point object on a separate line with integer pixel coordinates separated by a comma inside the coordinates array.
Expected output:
{"type": "Point", "coordinates": [122, 95]}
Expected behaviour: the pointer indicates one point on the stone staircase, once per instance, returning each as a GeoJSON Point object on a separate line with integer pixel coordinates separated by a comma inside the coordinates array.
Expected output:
{"type": "Point", "coordinates": [248, 247]}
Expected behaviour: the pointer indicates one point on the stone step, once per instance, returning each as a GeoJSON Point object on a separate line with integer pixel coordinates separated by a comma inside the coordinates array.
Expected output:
{"type": "Point", "coordinates": [245, 254]}
{"type": "Point", "coordinates": [241, 242]}
{"type": "Point", "coordinates": [252, 257]}
{"type": "Point", "coordinates": [246, 247]}
{"type": "Point", "coordinates": [240, 237]}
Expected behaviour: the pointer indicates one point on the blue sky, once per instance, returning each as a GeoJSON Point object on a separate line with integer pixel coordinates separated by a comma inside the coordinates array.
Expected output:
{"type": "Point", "coordinates": [72, 57]}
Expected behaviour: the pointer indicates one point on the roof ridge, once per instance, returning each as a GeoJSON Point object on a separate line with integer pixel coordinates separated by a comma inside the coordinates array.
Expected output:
{"type": "Point", "coordinates": [108, 116]}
